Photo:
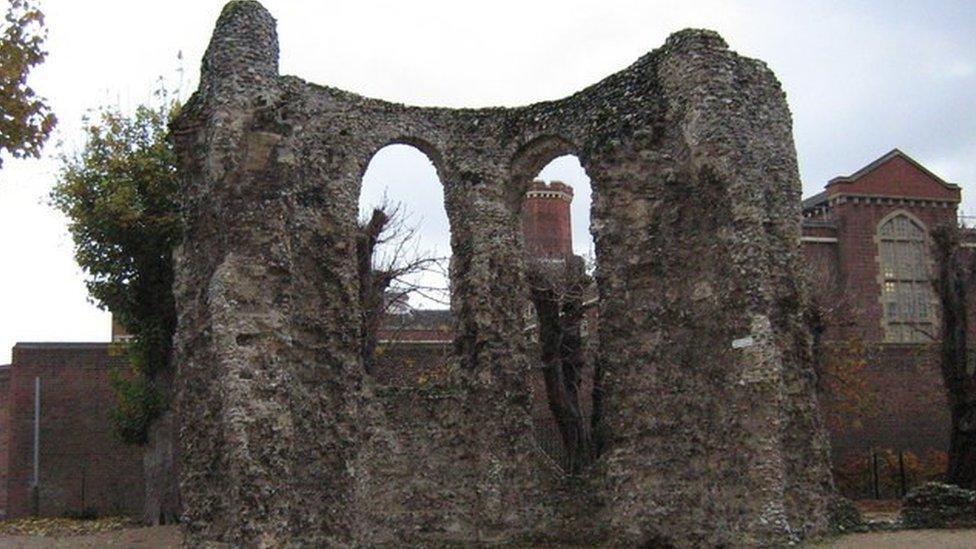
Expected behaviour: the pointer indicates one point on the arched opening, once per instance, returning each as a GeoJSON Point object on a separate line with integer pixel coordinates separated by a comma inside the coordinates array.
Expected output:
{"type": "Point", "coordinates": [403, 249]}
{"type": "Point", "coordinates": [568, 170]}
{"type": "Point", "coordinates": [561, 308]}
{"type": "Point", "coordinates": [907, 296]}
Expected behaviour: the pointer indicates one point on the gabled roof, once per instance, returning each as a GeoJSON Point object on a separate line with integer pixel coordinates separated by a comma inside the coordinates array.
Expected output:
{"type": "Point", "coordinates": [895, 153]}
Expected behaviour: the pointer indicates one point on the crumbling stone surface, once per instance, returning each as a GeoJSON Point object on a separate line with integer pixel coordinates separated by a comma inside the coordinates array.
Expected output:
{"type": "Point", "coordinates": [711, 425]}
{"type": "Point", "coordinates": [937, 505]}
{"type": "Point", "coordinates": [844, 517]}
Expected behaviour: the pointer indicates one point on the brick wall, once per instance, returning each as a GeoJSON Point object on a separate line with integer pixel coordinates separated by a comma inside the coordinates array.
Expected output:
{"type": "Point", "coordinates": [895, 175]}
{"type": "Point", "coordinates": [858, 256]}
{"type": "Point", "coordinates": [903, 403]}
{"type": "Point", "coordinates": [4, 434]}
{"type": "Point", "coordinates": [82, 464]}
{"type": "Point", "coordinates": [546, 220]}
{"type": "Point", "coordinates": [409, 363]}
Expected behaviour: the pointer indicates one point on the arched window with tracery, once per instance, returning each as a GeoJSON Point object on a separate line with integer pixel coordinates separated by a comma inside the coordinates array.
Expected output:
{"type": "Point", "coordinates": [906, 281]}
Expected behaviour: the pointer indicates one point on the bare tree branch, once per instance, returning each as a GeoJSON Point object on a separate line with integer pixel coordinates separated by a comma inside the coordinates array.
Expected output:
{"type": "Point", "coordinates": [390, 268]}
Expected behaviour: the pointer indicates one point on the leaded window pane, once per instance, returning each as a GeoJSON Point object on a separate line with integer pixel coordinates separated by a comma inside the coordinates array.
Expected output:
{"type": "Point", "coordinates": [906, 284]}
{"type": "Point", "coordinates": [922, 302]}
{"type": "Point", "coordinates": [888, 229]}
{"type": "Point", "coordinates": [888, 259]}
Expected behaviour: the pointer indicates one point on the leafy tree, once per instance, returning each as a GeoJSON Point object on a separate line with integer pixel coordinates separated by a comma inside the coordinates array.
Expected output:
{"type": "Point", "coordinates": [119, 193]}
{"type": "Point", "coordinates": [25, 119]}
{"type": "Point", "coordinates": [843, 383]}
{"type": "Point", "coordinates": [840, 357]}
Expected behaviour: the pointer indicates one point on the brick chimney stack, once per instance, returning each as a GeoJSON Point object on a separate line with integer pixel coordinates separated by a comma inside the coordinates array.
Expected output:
{"type": "Point", "coordinates": [546, 220]}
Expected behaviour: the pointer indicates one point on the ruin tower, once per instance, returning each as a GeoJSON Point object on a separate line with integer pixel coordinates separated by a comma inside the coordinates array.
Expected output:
{"type": "Point", "coordinates": [546, 220]}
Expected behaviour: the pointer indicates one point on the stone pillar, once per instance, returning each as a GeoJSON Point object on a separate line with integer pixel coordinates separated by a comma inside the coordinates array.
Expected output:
{"type": "Point", "coordinates": [697, 341]}
{"type": "Point", "coordinates": [268, 384]}
{"type": "Point", "coordinates": [487, 299]}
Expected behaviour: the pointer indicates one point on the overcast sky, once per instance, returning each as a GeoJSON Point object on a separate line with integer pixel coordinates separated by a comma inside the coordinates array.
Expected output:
{"type": "Point", "coordinates": [861, 78]}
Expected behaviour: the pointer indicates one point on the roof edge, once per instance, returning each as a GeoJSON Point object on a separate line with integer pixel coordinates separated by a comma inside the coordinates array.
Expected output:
{"type": "Point", "coordinates": [896, 152]}
{"type": "Point", "coordinates": [814, 201]}
{"type": "Point", "coordinates": [894, 197]}
{"type": "Point", "coordinates": [63, 344]}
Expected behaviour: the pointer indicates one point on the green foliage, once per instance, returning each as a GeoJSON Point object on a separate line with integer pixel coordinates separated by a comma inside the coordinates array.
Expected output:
{"type": "Point", "coordinates": [137, 401]}
{"type": "Point", "coordinates": [25, 119]}
{"type": "Point", "coordinates": [119, 194]}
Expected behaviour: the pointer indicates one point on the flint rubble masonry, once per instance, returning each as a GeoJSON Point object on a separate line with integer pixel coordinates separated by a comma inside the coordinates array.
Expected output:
{"type": "Point", "coordinates": [695, 185]}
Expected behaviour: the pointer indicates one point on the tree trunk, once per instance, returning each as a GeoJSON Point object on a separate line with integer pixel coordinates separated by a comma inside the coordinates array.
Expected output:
{"type": "Point", "coordinates": [562, 364]}
{"type": "Point", "coordinates": [372, 287]}
{"type": "Point", "coordinates": [960, 383]}
{"type": "Point", "coordinates": [161, 501]}
{"type": "Point", "coordinates": [962, 447]}
{"type": "Point", "coordinates": [162, 498]}
{"type": "Point", "coordinates": [572, 362]}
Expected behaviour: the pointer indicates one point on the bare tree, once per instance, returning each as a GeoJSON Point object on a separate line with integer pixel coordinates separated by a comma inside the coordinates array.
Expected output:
{"type": "Point", "coordinates": [389, 267]}
{"type": "Point", "coordinates": [558, 291]}
{"type": "Point", "coordinates": [955, 276]}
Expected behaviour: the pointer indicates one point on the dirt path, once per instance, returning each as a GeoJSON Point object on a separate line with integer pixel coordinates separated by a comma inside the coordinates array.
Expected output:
{"type": "Point", "coordinates": [163, 537]}
{"type": "Point", "coordinates": [908, 539]}
{"type": "Point", "coordinates": [135, 538]}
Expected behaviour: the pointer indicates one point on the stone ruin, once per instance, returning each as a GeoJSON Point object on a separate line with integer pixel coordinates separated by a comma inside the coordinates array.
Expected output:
{"type": "Point", "coordinates": [714, 435]}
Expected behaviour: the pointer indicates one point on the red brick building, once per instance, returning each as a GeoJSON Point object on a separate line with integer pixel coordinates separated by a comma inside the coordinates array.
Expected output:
{"type": "Point", "coordinates": [546, 220]}
{"type": "Point", "coordinates": [4, 436]}
{"type": "Point", "coordinates": [81, 466]}
{"type": "Point", "coordinates": [866, 238]}
{"type": "Point", "coordinates": [414, 345]}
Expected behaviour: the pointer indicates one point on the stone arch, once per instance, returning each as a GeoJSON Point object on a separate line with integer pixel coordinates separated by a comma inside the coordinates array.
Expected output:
{"type": "Point", "coordinates": [424, 217]}
{"type": "Point", "coordinates": [561, 297]}
{"type": "Point", "coordinates": [530, 158]}
{"type": "Point", "coordinates": [891, 215]}
{"type": "Point", "coordinates": [908, 303]}
{"type": "Point", "coordinates": [700, 361]}
{"type": "Point", "coordinates": [424, 146]}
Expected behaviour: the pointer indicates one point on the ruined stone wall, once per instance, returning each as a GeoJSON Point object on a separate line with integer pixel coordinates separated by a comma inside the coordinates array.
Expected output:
{"type": "Point", "coordinates": [713, 430]}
